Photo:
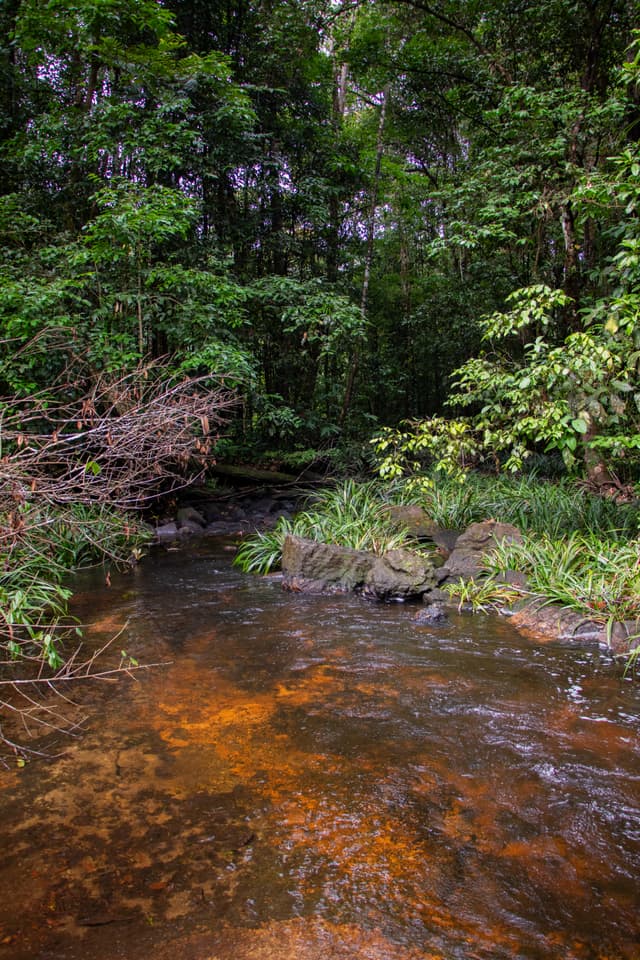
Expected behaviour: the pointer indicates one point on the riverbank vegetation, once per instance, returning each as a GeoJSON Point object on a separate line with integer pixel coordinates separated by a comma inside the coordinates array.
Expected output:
{"type": "Point", "coordinates": [252, 230]}
{"type": "Point", "coordinates": [579, 550]}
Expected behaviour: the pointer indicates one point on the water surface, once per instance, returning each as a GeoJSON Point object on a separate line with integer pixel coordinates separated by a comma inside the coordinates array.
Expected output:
{"type": "Point", "coordinates": [322, 778]}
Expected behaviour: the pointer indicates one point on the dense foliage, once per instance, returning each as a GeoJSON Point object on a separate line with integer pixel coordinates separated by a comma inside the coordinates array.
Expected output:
{"type": "Point", "coordinates": [350, 214]}
{"type": "Point", "coordinates": [332, 205]}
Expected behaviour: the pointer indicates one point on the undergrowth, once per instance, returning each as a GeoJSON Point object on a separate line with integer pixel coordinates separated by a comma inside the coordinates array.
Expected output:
{"type": "Point", "coordinates": [594, 577]}
{"type": "Point", "coordinates": [556, 509]}
{"type": "Point", "coordinates": [579, 550]}
{"type": "Point", "coordinates": [350, 514]}
{"type": "Point", "coordinates": [39, 548]}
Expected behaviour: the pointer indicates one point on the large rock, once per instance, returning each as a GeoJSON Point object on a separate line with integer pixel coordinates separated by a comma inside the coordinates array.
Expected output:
{"type": "Point", "coordinates": [419, 524]}
{"type": "Point", "coordinates": [190, 515]}
{"type": "Point", "coordinates": [314, 567]}
{"type": "Point", "coordinates": [548, 621]}
{"type": "Point", "coordinates": [413, 518]}
{"type": "Point", "coordinates": [430, 614]}
{"type": "Point", "coordinates": [400, 575]}
{"type": "Point", "coordinates": [471, 546]}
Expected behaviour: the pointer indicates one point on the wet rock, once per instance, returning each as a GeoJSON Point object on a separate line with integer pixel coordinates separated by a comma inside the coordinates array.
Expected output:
{"type": "Point", "coordinates": [624, 636]}
{"type": "Point", "coordinates": [223, 528]}
{"type": "Point", "coordinates": [297, 584]}
{"type": "Point", "coordinates": [324, 568]}
{"type": "Point", "coordinates": [435, 594]}
{"type": "Point", "coordinates": [399, 575]}
{"type": "Point", "coordinates": [430, 614]}
{"type": "Point", "coordinates": [190, 514]}
{"type": "Point", "coordinates": [323, 564]}
{"type": "Point", "coordinates": [167, 531]}
{"type": "Point", "coordinates": [215, 510]}
{"type": "Point", "coordinates": [189, 528]}
{"type": "Point", "coordinates": [548, 621]}
{"type": "Point", "coordinates": [472, 545]}
{"type": "Point", "coordinates": [414, 518]}
{"type": "Point", "coordinates": [515, 579]}
{"type": "Point", "coordinates": [264, 505]}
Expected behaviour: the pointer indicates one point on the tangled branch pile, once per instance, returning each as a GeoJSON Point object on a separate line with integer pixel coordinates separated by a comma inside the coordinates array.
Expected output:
{"type": "Point", "coordinates": [75, 460]}
{"type": "Point", "coordinates": [123, 443]}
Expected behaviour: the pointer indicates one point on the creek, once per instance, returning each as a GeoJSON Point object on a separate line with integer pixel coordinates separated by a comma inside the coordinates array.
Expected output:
{"type": "Point", "coordinates": [322, 778]}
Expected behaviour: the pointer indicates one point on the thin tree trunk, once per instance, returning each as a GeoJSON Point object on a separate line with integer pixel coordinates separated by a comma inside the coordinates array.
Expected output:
{"type": "Point", "coordinates": [333, 233]}
{"type": "Point", "coordinates": [371, 222]}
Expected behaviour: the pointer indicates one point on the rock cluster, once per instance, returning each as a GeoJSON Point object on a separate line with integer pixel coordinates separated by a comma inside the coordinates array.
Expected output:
{"type": "Point", "coordinates": [313, 567]}
{"type": "Point", "coordinates": [231, 517]}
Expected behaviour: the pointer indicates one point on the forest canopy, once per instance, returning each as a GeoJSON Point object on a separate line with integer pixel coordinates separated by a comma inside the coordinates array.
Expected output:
{"type": "Point", "coordinates": [351, 213]}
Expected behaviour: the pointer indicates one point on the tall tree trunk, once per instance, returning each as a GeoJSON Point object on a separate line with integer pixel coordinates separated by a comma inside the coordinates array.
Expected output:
{"type": "Point", "coordinates": [368, 261]}
{"type": "Point", "coordinates": [333, 231]}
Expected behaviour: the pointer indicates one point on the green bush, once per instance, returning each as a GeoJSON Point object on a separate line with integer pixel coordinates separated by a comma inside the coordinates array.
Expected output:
{"type": "Point", "coordinates": [594, 577]}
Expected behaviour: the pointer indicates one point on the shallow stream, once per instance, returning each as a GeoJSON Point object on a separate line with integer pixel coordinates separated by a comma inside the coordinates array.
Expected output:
{"type": "Point", "coordinates": [322, 778]}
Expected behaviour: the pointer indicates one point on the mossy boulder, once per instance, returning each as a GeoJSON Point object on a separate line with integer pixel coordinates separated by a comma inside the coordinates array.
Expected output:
{"type": "Point", "coordinates": [312, 567]}
{"type": "Point", "coordinates": [465, 560]}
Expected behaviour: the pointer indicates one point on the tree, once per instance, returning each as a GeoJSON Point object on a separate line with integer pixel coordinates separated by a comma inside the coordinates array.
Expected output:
{"type": "Point", "coordinates": [579, 394]}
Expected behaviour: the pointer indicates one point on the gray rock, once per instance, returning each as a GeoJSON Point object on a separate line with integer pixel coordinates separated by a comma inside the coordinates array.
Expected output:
{"type": "Point", "coordinates": [399, 575]}
{"type": "Point", "coordinates": [167, 531]}
{"type": "Point", "coordinates": [336, 567]}
{"type": "Point", "coordinates": [431, 613]}
{"type": "Point", "coordinates": [435, 595]}
{"type": "Point", "coordinates": [624, 636]}
{"type": "Point", "coordinates": [324, 568]}
{"type": "Point", "coordinates": [472, 545]}
{"type": "Point", "coordinates": [189, 528]}
{"type": "Point", "coordinates": [191, 515]}
{"type": "Point", "coordinates": [222, 528]}
{"type": "Point", "coordinates": [413, 518]}
{"type": "Point", "coordinates": [211, 512]}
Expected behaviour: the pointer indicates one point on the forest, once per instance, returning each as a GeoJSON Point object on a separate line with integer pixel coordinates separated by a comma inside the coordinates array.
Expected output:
{"type": "Point", "coordinates": [338, 232]}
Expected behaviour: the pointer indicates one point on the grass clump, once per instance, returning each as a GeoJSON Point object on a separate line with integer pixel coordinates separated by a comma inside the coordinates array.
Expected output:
{"type": "Point", "coordinates": [556, 509]}
{"type": "Point", "coordinates": [350, 514]}
{"type": "Point", "coordinates": [597, 578]}
{"type": "Point", "coordinates": [482, 595]}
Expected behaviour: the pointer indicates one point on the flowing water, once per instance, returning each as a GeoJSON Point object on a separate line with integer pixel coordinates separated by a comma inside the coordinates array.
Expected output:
{"type": "Point", "coordinates": [322, 778]}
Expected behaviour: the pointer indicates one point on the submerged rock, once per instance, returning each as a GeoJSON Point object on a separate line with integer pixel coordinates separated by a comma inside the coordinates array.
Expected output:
{"type": "Point", "coordinates": [167, 531]}
{"type": "Point", "coordinates": [430, 614]}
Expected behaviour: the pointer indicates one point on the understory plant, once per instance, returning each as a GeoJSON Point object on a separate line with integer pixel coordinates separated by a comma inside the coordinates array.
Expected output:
{"type": "Point", "coordinates": [40, 643]}
{"type": "Point", "coordinates": [597, 578]}
{"type": "Point", "coordinates": [78, 464]}
{"type": "Point", "coordinates": [39, 547]}
{"type": "Point", "coordinates": [555, 508]}
{"type": "Point", "coordinates": [350, 514]}
{"type": "Point", "coordinates": [482, 594]}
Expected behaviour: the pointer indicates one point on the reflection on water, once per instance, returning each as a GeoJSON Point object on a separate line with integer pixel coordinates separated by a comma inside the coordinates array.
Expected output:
{"type": "Point", "coordinates": [318, 777]}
